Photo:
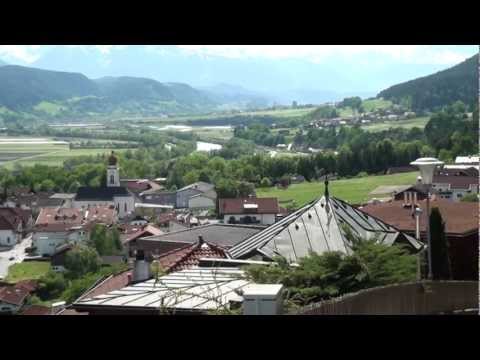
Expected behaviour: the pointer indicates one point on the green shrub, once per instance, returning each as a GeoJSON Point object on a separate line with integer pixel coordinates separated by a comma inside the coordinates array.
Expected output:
{"type": "Point", "coordinates": [51, 285]}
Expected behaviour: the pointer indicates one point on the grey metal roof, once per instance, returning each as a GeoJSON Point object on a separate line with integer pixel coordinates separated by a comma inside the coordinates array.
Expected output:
{"type": "Point", "coordinates": [225, 235]}
{"type": "Point", "coordinates": [195, 289]}
{"type": "Point", "coordinates": [317, 227]}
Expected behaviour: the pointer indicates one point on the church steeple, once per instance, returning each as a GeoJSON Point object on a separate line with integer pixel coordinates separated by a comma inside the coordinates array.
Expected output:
{"type": "Point", "coordinates": [113, 175]}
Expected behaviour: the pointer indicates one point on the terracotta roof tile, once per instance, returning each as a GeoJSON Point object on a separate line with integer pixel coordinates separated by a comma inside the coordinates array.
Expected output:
{"type": "Point", "coordinates": [189, 256]}
{"type": "Point", "coordinates": [110, 283]}
{"type": "Point", "coordinates": [456, 182]}
{"type": "Point", "coordinates": [13, 295]}
{"type": "Point", "coordinates": [459, 217]}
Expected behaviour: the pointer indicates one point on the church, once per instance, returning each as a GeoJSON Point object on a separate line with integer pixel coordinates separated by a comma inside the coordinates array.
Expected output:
{"type": "Point", "coordinates": [110, 195]}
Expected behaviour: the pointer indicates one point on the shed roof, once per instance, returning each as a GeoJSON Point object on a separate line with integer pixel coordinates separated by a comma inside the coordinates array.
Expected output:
{"type": "Point", "coordinates": [197, 290]}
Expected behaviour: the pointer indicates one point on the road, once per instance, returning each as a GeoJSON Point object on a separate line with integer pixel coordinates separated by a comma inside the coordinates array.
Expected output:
{"type": "Point", "coordinates": [18, 252]}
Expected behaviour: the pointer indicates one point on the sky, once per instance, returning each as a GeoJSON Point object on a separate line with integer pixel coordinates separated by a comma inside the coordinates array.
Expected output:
{"type": "Point", "coordinates": [275, 69]}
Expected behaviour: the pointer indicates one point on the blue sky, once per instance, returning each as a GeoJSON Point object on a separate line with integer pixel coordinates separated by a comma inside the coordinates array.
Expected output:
{"type": "Point", "coordinates": [270, 68]}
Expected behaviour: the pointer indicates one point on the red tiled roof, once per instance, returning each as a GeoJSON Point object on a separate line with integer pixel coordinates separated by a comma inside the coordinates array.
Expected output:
{"type": "Point", "coordinates": [135, 232]}
{"type": "Point", "coordinates": [189, 256]}
{"type": "Point", "coordinates": [36, 310]}
{"type": "Point", "coordinates": [14, 213]}
{"type": "Point", "coordinates": [111, 283]}
{"type": "Point", "coordinates": [13, 295]}
{"type": "Point", "coordinates": [29, 285]}
{"type": "Point", "coordinates": [456, 182]}
{"type": "Point", "coordinates": [459, 217]}
{"type": "Point", "coordinates": [9, 223]}
{"type": "Point", "coordinates": [62, 219]}
{"type": "Point", "coordinates": [236, 206]}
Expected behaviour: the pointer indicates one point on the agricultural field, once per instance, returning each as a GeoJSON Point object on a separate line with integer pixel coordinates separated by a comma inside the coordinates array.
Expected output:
{"type": "Point", "coordinates": [27, 270]}
{"type": "Point", "coordinates": [376, 104]}
{"type": "Point", "coordinates": [31, 151]}
{"type": "Point", "coordinates": [354, 191]}
{"type": "Point", "coordinates": [419, 122]}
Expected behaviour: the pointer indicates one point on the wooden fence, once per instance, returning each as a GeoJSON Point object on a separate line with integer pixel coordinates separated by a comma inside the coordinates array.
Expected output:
{"type": "Point", "coordinates": [420, 298]}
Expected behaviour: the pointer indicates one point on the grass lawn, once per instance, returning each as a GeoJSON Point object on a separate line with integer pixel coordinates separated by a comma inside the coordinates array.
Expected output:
{"type": "Point", "coordinates": [27, 270]}
{"type": "Point", "coordinates": [352, 190]}
{"type": "Point", "coordinates": [419, 122]}
{"type": "Point", "coordinates": [376, 104]}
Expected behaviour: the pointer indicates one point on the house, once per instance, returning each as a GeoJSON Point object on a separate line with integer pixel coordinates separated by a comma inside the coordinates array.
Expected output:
{"type": "Point", "coordinates": [203, 201]}
{"type": "Point", "coordinates": [14, 224]}
{"type": "Point", "coordinates": [467, 160]}
{"type": "Point", "coordinates": [58, 257]}
{"type": "Point", "coordinates": [26, 199]}
{"type": "Point", "coordinates": [400, 169]}
{"type": "Point", "coordinates": [160, 198]}
{"type": "Point", "coordinates": [140, 187]}
{"type": "Point", "coordinates": [184, 194]}
{"type": "Point", "coordinates": [58, 226]}
{"type": "Point", "coordinates": [203, 290]}
{"type": "Point", "coordinates": [12, 298]}
{"type": "Point", "coordinates": [249, 210]}
{"type": "Point", "coordinates": [399, 192]}
{"type": "Point", "coordinates": [461, 227]}
{"type": "Point", "coordinates": [297, 179]}
{"type": "Point", "coordinates": [454, 187]}
{"type": "Point", "coordinates": [66, 199]}
{"type": "Point", "coordinates": [318, 227]}
{"type": "Point", "coordinates": [222, 235]}
{"type": "Point", "coordinates": [189, 256]}
{"type": "Point", "coordinates": [130, 234]}
{"type": "Point", "coordinates": [111, 195]}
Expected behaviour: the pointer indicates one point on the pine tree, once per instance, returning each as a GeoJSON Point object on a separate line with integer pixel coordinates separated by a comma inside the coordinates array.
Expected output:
{"type": "Point", "coordinates": [440, 259]}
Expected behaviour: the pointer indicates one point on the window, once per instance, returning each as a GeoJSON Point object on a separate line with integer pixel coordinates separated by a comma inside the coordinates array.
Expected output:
{"type": "Point", "coordinates": [459, 195]}
{"type": "Point", "coordinates": [112, 179]}
{"type": "Point", "coordinates": [125, 207]}
{"type": "Point", "coordinates": [8, 240]}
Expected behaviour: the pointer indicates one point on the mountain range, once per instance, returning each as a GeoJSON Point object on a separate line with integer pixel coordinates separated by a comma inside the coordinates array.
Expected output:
{"type": "Point", "coordinates": [56, 94]}
{"type": "Point", "coordinates": [63, 94]}
{"type": "Point", "coordinates": [458, 83]}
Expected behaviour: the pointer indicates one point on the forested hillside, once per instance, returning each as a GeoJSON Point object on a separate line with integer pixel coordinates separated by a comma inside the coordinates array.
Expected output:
{"type": "Point", "coordinates": [22, 87]}
{"type": "Point", "coordinates": [34, 93]}
{"type": "Point", "coordinates": [459, 83]}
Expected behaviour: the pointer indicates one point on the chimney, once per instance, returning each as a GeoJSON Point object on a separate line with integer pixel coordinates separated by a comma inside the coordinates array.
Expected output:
{"type": "Point", "coordinates": [141, 267]}
{"type": "Point", "coordinates": [262, 299]}
{"type": "Point", "coordinates": [200, 240]}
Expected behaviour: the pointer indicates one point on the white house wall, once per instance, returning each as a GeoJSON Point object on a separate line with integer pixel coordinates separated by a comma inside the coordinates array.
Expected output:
{"type": "Point", "coordinates": [9, 237]}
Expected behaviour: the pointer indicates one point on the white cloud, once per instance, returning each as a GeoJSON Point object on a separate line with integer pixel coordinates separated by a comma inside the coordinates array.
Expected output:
{"type": "Point", "coordinates": [413, 54]}
{"type": "Point", "coordinates": [407, 54]}
{"type": "Point", "coordinates": [24, 53]}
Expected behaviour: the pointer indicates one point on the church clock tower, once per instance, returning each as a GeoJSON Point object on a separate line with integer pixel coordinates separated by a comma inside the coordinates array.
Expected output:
{"type": "Point", "coordinates": [113, 175]}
